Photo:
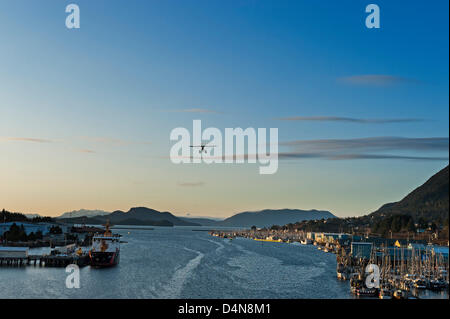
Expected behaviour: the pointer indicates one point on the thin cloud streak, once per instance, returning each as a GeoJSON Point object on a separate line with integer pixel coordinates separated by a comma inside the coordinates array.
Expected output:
{"type": "Point", "coordinates": [376, 80]}
{"type": "Point", "coordinates": [86, 151]}
{"type": "Point", "coordinates": [352, 149]}
{"type": "Point", "coordinates": [326, 156]}
{"type": "Point", "coordinates": [26, 139]}
{"type": "Point", "coordinates": [112, 141]}
{"type": "Point", "coordinates": [106, 140]}
{"type": "Point", "coordinates": [197, 110]}
{"type": "Point", "coordinates": [372, 144]}
{"type": "Point", "coordinates": [191, 184]}
{"type": "Point", "coordinates": [348, 119]}
{"type": "Point", "coordinates": [362, 156]}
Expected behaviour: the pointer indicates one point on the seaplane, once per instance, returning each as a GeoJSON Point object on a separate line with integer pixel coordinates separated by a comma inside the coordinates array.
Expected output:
{"type": "Point", "coordinates": [202, 147]}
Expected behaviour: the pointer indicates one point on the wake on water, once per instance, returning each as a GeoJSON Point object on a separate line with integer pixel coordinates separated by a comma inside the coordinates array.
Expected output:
{"type": "Point", "coordinates": [173, 288]}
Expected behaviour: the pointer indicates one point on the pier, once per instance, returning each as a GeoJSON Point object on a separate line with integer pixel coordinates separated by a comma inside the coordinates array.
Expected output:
{"type": "Point", "coordinates": [19, 256]}
{"type": "Point", "coordinates": [45, 261]}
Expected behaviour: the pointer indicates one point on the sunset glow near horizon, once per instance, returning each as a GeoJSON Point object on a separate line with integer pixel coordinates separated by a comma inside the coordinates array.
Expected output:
{"type": "Point", "coordinates": [85, 115]}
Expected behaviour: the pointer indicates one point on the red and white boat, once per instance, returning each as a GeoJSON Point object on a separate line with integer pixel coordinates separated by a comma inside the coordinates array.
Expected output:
{"type": "Point", "coordinates": [105, 250]}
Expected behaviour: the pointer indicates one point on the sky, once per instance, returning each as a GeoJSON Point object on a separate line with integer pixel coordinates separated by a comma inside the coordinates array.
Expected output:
{"type": "Point", "coordinates": [85, 114]}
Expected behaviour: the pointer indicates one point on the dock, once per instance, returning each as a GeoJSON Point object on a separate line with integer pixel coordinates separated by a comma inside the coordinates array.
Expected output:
{"type": "Point", "coordinates": [45, 261]}
{"type": "Point", "coordinates": [18, 256]}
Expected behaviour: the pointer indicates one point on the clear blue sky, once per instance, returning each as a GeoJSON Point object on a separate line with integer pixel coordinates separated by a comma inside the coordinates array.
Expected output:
{"type": "Point", "coordinates": [85, 115]}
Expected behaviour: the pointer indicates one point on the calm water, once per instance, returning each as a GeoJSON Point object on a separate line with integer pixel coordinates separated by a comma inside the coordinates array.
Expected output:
{"type": "Point", "coordinates": [181, 263]}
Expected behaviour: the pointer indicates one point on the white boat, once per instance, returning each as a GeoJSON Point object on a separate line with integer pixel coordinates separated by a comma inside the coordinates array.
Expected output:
{"type": "Point", "coordinates": [306, 241]}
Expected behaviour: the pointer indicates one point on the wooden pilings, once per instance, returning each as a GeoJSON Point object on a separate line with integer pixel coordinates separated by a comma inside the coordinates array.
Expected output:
{"type": "Point", "coordinates": [44, 261]}
{"type": "Point", "coordinates": [13, 261]}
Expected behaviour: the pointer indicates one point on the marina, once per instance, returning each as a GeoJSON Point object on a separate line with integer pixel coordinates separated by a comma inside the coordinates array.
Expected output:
{"type": "Point", "coordinates": [239, 268]}
{"type": "Point", "coordinates": [406, 270]}
{"type": "Point", "coordinates": [372, 267]}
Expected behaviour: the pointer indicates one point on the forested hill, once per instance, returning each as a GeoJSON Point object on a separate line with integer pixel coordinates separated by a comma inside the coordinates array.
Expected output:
{"type": "Point", "coordinates": [428, 201]}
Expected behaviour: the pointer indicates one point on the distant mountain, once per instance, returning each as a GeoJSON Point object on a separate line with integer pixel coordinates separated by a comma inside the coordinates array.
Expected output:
{"type": "Point", "coordinates": [135, 216]}
{"type": "Point", "coordinates": [188, 216]}
{"type": "Point", "coordinates": [84, 212]}
{"type": "Point", "coordinates": [269, 217]}
{"type": "Point", "coordinates": [31, 216]}
{"type": "Point", "coordinates": [429, 201]}
{"type": "Point", "coordinates": [134, 221]}
{"type": "Point", "coordinates": [147, 214]}
{"type": "Point", "coordinates": [201, 221]}
{"type": "Point", "coordinates": [83, 220]}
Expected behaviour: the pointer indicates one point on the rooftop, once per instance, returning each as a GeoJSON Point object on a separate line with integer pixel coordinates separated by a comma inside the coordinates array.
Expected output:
{"type": "Point", "coordinates": [13, 248]}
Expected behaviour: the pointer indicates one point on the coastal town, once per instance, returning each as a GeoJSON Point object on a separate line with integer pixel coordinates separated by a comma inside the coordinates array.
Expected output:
{"type": "Point", "coordinates": [405, 268]}
{"type": "Point", "coordinates": [407, 264]}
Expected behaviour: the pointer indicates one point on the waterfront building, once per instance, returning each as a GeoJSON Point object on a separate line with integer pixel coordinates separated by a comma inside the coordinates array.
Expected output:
{"type": "Point", "coordinates": [328, 237]}
{"type": "Point", "coordinates": [361, 250]}
{"type": "Point", "coordinates": [13, 252]}
{"type": "Point", "coordinates": [311, 235]}
{"type": "Point", "coordinates": [29, 228]}
{"type": "Point", "coordinates": [331, 237]}
{"type": "Point", "coordinates": [416, 246]}
{"type": "Point", "coordinates": [439, 250]}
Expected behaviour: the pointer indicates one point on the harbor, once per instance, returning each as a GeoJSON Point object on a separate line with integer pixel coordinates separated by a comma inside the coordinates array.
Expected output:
{"type": "Point", "coordinates": [148, 269]}
{"type": "Point", "coordinates": [374, 267]}
{"type": "Point", "coordinates": [239, 268]}
{"type": "Point", "coordinates": [104, 250]}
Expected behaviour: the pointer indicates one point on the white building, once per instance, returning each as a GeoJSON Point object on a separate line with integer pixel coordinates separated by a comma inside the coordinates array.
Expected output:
{"type": "Point", "coordinates": [13, 252]}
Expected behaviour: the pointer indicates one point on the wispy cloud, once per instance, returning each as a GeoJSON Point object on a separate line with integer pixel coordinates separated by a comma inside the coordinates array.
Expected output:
{"type": "Point", "coordinates": [373, 148]}
{"type": "Point", "coordinates": [326, 156]}
{"type": "Point", "coordinates": [26, 139]}
{"type": "Point", "coordinates": [105, 140]}
{"type": "Point", "coordinates": [197, 110]}
{"type": "Point", "coordinates": [388, 156]}
{"type": "Point", "coordinates": [348, 119]}
{"type": "Point", "coordinates": [367, 148]}
{"type": "Point", "coordinates": [111, 141]}
{"type": "Point", "coordinates": [86, 151]}
{"type": "Point", "coordinates": [375, 80]}
{"type": "Point", "coordinates": [191, 184]}
{"type": "Point", "coordinates": [355, 156]}
{"type": "Point", "coordinates": [372, 144]}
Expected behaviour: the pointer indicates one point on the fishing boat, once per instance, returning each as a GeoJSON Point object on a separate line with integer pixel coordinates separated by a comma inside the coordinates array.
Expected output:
{"type": "Point", "coordinates": [420, 283]}
{"type": "Point", "coordinates": [355, 284]}
{"type": "Point", "coordinates": [434, 284]}
{"type": "Point", "coordinates": [385, 293]}
{"type": "Point", "coordinates": [367, 292]}
{"type": "Point", "coordinates": [105, 250]}
{"type": "Point", "coordinates": [400, 294]}
{"type": "Point", "coordinates": [269, 239]}
{"type": "Point", "coordinates": [306, 241]}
